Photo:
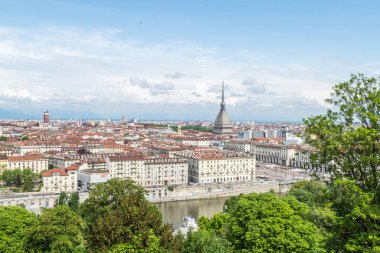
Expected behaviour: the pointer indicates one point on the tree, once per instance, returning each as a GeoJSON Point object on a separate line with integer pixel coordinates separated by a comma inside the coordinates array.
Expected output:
{"type": "Point", "coordinates": [116, 212]}
{"type": "Point", "coordinates": [268, 223]}
{"type": "Point", "coordinates": [9, 177]}
{"type": "Point", "coordinates": [206, 242]}
{"type": "Point", "coordinates": [14, 221]}
{"type": "Point", "coordinates": [24, 138]}
{"type": "Point", "coordinates": [73, 201]}
{"type": "Point", "coordinates": [356, 225]}
{"type": "Point", "coordinates": [62, 199]}
{"type": "Point", "coordinates": [177, 243]}
{"type": "Point", "coordinates": [28, 183]}
{"type": "Point", "coordinates": [3, 138]}
{"type": "Point", "coordinates": [18, 177]}
{"type": "Point", "coordinates": [310, 192]}
{"type": "Point", "coordinates": [346, 139]}
{"type": "Point", "coordinates": [152, 245]}
{"type": "Point", "coordinates": [57, 230]}
{"type": "Point", "coordinates": [217, 224]}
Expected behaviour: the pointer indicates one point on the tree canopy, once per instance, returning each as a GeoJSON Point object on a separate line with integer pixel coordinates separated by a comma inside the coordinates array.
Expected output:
{"type": "Point", "coordinates": [24, 178]}
{"type": "Point", "coordinates": [14, 221]}
{"type": "Point", "coordinates": [3, 138]}
{"type": "Point", "coordinates": [268, 223]}
{"type": "Point", "coordinates": [117, 212]}
{"type": "Point", "coordinates": [58, 229]}
{"type": "Point", "coordinates": [346, 139]}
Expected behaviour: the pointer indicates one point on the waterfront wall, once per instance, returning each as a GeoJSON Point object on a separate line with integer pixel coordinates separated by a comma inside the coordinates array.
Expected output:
{"type": "Point", "coordinates": [216, 190]}
{"type": "Point", "coordinates": [35, 201]}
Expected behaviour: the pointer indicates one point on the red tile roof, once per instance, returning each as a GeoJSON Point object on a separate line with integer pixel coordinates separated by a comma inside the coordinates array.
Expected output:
{"type": "Point", "coordinates": [26, 158]}
{"type": "Point", "coordinates": [49, 173]}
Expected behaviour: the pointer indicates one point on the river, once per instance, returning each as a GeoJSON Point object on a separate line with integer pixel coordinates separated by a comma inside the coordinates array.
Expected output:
{"type": "Point", "coordinates": [173, 212]}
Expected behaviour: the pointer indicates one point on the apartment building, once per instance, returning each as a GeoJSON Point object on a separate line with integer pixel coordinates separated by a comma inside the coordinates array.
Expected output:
{"type": "Point", "coordinates": [127, 167]}
{"type": "Point", "coordinates": [36, 163]}
{"type": "Point", "coordinates": [149, 172]}
{"type": "Point", "coordinates": [211, 166]}
{"type": "Point", "coordinates": [166, 171]}
{"type": "Point", "coordinates": [238, 145]}
{"type": "Point", "coordinates": [60, 180]}
{"type": "Point", "coordinates": [273, 153]}
{"type": "Point", "coordinates": [37, 148]}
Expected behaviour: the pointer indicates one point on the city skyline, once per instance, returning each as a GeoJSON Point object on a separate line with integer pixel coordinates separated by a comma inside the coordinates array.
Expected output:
{"type": "Point", "coordinates": [167, 61]}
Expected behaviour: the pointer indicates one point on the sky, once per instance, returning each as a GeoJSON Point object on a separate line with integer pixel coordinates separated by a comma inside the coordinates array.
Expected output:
{"type": "Point", "coordinates": [167, 59]}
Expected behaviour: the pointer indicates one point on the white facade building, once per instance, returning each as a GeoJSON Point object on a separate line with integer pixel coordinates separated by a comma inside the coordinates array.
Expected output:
{"type": "Point", "coordinates": [273, 153]}
{"type": "Point", "coordinates": [59, 161]}
{"type": "Point", "coordinates": [198, 142]}
{"type": "Point", "coordinates": [149, 172]}
{"type": "Point", "coordinates": [220, 166]}
{"type": "Point", "coordinates": [258, 133]}
{"type": "Point", "coordinates": [89, 177]}
{"type": "Point", "coordinates": [60, 180]}
{"type": "Point", "coordinates": [126, 167]}
{"type": "Point", "coordinates": [239, 146]}
{"type": "Point", "coordinates": [246, 134]}
{"type": "Point", "coordinates": [34, 162]}
{"type": "Point", "coordinates": [23, 149]}
{"type": "Point", "coordinates": [166, 171]}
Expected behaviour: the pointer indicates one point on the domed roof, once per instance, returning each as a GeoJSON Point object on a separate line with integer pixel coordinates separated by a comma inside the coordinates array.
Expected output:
{"type": "Point", "coordinates": [222, 124]}
{"type": "Point", "coordinates": [222, 119]}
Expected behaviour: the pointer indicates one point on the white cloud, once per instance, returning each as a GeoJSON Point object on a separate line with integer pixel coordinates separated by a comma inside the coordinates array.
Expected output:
{"type": "Point", "coordinates": [101, 71]}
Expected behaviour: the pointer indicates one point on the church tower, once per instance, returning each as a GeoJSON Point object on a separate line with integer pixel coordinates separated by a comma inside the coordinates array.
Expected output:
{"type": "Point", "coordinates": [222, 124]}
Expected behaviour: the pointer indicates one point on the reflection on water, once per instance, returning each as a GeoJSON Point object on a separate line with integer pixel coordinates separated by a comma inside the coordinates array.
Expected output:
{"type": "Point", "coordinates": [173, 212]}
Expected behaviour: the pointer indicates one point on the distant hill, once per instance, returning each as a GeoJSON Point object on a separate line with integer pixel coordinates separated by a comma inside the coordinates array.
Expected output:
{"type": "Point", "coordinates": [54, 114]}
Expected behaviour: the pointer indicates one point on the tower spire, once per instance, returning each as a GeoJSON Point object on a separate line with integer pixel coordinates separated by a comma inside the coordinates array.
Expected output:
{"type": "Point", "coordinates": [222, 104]}
{"type": "Point", "coordinates": [223, 91]}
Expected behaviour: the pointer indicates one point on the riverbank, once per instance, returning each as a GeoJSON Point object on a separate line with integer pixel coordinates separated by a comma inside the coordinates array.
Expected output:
{"type": "Point", "coordinates": [184, 193]}
{"type": "Point", "coordinates": [34, 201]}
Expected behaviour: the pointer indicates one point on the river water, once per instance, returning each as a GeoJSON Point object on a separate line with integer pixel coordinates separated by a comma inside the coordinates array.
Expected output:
{"type": "Point", "coordinates": [173, 212]}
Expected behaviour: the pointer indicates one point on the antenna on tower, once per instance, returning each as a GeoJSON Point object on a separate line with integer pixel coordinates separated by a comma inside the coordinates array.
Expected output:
{"type": "Point", "coordinates": [223, 91]}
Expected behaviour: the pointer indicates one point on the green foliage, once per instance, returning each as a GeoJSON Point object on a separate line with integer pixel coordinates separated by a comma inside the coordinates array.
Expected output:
{"type": "Point", "coordinates": [152, 244]}
{"type": "Point", "coordinates": [347, 139]}
{"type": "Point", "coordinates": [217, 224]}
{"type": "Point", "coordinates": [13, 224]}
{"type": "Point", "coordinates": [57, 230]}
{"type": "Point", "coordinates": [356, 226]}
{"type": "Point", "coordinates": [8, 177]}
{"type": "Point", "coordinates": [3, 138]}
{"type": "Point", "coordinates": [177, 243]}
{"type": "Point", "coordinates": [116, 212]}
{"type": "Point", "coordinates": [196, 128]}
{"type": "Point", "coordinates": [310, 192]}
{"type": "Point", "coordinates": [24, 179]}
{"type": "Point", "coordinates": [28, 183]}
{"type": "Point", "coordinates": [230, 203]}
{"type": "Point", "coordinates": [268, 223]}
{"type": "Point", "coordinates": [62, 199]}
{"type": "Point", "coordinates": [206, 242]}
{"type": "Point", "coordinates": [175, 128]}
{"type": "Point", "coordinates": [24, 138]}
{"type": "Point", "coordinates": [73, 201]}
